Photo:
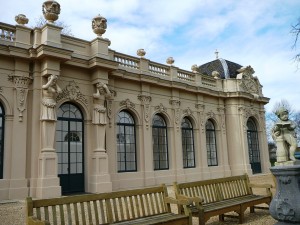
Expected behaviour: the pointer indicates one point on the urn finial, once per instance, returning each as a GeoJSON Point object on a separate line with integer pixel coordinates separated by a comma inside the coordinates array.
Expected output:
{"type": "Point", "coordinates": [99, 25]}
{"type": "Point", "coordinates": [21, 19]}
{"type": "Point", "coordinates": [141, 52]}
{"type": "Point", "coordinates": [51, 10]}
{"type": "Point", "coordinates": [170, 61]}
{"type": "Point", "coordinates": [194, 68]}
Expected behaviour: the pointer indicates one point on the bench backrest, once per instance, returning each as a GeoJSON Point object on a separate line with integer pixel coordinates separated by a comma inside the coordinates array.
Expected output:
{"type": "Point", "coordinates": [215, 189]}
{"type": "Point", "coordinates": [100, 208]}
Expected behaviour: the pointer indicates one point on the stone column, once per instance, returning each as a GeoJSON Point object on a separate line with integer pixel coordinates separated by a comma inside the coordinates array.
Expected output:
{"type": "Point", "coordinates": [100, 179]}
{"type": "Point", "coordinates": [48, 182]}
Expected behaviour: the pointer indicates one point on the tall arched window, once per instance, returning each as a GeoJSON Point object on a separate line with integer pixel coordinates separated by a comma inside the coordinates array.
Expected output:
{"type": "Point", "coordinates": [2, 116]}
{"type": "Point", "coordinates": [160, 143]}
{"type": "Point", "coordinates": [253, 146]}
{"type": "Point", "coordinates": [211, 146]}
{"type": "Point", "coordinates": [126, 143]}
{"type": "Point", "coordinates": [188, 151]}
{"type": "Point", "coordinates": [70, 148]}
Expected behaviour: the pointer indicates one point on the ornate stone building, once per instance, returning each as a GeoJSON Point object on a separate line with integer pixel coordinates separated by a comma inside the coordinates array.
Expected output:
{"type": "Point", "coordinates": [77, 116]}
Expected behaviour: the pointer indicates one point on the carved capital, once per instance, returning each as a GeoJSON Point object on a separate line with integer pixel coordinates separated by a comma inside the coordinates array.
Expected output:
{"type": "Point", "coordinates": [21, 85]}
{"type": "Point", "coordinates": [145, 99]}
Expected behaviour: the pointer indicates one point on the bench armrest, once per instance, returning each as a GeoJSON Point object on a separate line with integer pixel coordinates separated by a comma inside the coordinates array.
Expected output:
{"type": "Point", "coordinates": [171, 200]}
{"type": "Point", "coordinates": [266, 186]}
{"type": "Point", "coordinates": [260, 185]}
{"type": "Point", "coordinates": [34, 221]}
{"type": "Point", "coordinates": [193, 199]}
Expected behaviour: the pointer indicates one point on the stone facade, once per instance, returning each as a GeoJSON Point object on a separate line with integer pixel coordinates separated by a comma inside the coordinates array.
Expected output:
{"type": "Point", "coordinates": [42, 72]}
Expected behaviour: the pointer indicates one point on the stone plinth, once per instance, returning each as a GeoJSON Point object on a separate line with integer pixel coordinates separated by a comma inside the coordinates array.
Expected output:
{"type": "Point", "coordinates": [285, 205]}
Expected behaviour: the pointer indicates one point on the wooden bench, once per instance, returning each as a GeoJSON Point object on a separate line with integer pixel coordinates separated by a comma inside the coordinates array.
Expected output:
{"type": "Point", "coordinates": [219, 196]}
{"type": "Point", "coordinates": [139, 206]}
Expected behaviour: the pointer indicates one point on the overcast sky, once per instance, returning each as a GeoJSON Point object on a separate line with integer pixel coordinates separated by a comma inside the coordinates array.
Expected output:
{"type": "Point", "coordinates": [248, 32]}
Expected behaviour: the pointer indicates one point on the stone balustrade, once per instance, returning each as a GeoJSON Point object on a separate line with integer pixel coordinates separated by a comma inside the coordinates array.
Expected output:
{"type": "Point", "coordinates": [7, 32]}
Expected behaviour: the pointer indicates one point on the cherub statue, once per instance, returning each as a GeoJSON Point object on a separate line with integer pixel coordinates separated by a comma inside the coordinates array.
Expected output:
{"type": "Point", "coordinates": [50, 90]}
{"type": "Point", "coordinates": [284, 135]}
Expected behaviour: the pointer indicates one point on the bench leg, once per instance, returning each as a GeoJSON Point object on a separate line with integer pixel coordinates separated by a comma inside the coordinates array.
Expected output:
{"type": "Point", "coordinates": [221, 217]}
{"type": "Point", "coordinates": [251, 209]}
{"type": "Point", "coordinates": [202, 218]}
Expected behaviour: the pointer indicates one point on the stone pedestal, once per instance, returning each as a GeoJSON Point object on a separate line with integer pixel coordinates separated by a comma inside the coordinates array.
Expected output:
{"type": "Point", "coordinates": [285, 205]}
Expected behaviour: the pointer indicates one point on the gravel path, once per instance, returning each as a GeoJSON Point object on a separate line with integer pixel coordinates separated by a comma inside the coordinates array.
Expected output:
{"type": "Point", "coordinates": [13, 212]}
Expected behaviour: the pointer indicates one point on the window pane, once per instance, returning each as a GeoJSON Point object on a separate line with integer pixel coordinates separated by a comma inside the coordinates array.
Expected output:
{"type": "Point", "coordinates": [126, 142]}
{"type": "Point", "coordinates": [211, 147]}
{"type": "Point", "coordinates": [160, 144]}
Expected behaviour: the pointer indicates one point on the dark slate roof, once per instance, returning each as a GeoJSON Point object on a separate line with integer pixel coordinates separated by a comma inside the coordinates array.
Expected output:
{"type": "Point", "coordinates": [227, 69]}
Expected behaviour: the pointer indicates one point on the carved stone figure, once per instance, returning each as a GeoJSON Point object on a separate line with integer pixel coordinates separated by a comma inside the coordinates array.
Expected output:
{"type": "Point", "coordinates": [284, 135]}
{"type": "Point", "coordinates": [50, 91]}
{"type": "Point", "coordinates": [99, 115]}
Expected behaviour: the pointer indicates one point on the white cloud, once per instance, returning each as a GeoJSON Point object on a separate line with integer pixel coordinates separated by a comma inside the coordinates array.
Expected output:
{"type": "Point", "coordinates": [252, 33]}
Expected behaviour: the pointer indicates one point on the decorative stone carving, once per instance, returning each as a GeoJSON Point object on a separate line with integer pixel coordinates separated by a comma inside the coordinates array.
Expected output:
{"type": "Point", "coordinates": [21, 19]}
{"type": "Point", "coordinates": [246, 113]}
{"type": "Point", "coordinates": [50, 91]}
{"type": "Point", "coordinates": [99, 25]}
{"type": "Point", "coordinates": [160, 108]}
{"type": "Point", "coordinates": [176, 104]}
{"type": "Point", "coordinates": [21, 86]}
{"type": "Point", "coordinates": [109, 110]}
{"type": "Point", "coordinates": [216, 74]}
{"type": "Point", "coordinates": [188, 112]}
{"type": "Point", "coordinates": [51, 10]}
{"type": "Point", "coordinates": [127, 103]}
{"type": "Point", "coordinates": [222, 115]}
{"type": "Point", "coordinates": [284, 134]}
{"type": "Point", "coordinates": [99, 112]}
{"type": "Point", "coordinates": [211, 114]}
{"type": "Point", "coordinates": [170, 61]}
{"type": "Point", "coordinates": [248, 82]}
{"type": "Point", "coordinates": [72, 92]}
{"type": "Point", "coordinates": [200, 106]}
{"type": "Point", "coordinates": [194, 68]}
{"type": "Point", "coordinates": [146, 99]}
{"type": "Point", "coordinates": [141, 52]}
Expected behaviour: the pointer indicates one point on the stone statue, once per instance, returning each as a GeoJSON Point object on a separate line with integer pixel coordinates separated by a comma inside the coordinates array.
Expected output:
{"type": "Point", "coordinates": [99, 115]}
{"type": "Point", "coordinates": [284, 135]}
{"type": "Point", "coordinates": [50, 90]}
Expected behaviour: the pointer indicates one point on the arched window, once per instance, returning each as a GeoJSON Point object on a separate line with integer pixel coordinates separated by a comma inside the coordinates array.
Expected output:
{"type": "Point", "coordinates": [2, 117]}
{"type": "Point", "coordinates": [126, 143]}
{"type": "Point", "coordinates": [70, 148]}
{"type": "Point", "coordinates": [160, 143]}
{"type": "Point", "coordinates": [211, 146]}
{"type": "Point", "coordinates": [253, 146]}
{"type": "Point", "coordinates": [188, 151]}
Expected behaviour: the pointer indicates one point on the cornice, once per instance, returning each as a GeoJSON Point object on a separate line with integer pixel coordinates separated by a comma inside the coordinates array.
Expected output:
{"type": "Point", "coordinates": [50, 51]}
{"type": "Point", "coordinates": [102, 63]}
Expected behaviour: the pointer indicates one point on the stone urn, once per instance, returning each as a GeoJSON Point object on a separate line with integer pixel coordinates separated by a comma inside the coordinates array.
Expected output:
{"type": "Point", "coordinates": [21, 19]}
{"type": "Point", "coordinates": [51, 10]}
{"type": "Point", "coordinates": [194, 68]}
{"type": "Point", "coordinates": [170, 61]}
{"type": "Point", "coordinates": [141, 52]}
{"type": "Point", "coordinates": [99, 25]}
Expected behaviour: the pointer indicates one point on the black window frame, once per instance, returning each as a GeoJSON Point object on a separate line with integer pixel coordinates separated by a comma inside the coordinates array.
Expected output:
{"type": "Point", "coordinates": [162, 131]}
{"type": "Point", "coordinates": [211, 143]}
{"type": "Point", "coordinates": [2, 128]}
{"type": "Point", "coordinates": [132, 126]}
{"type": "Point", "coordinates": [187, 136]}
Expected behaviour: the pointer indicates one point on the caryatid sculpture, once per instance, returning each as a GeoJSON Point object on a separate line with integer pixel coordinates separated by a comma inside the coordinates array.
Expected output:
{"type": "Point", "coordinates": [99, 116]}
{"type": "Point", "coordinates": [50, 91]}
{"type": "Point", "coordinates": [284, 135]}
